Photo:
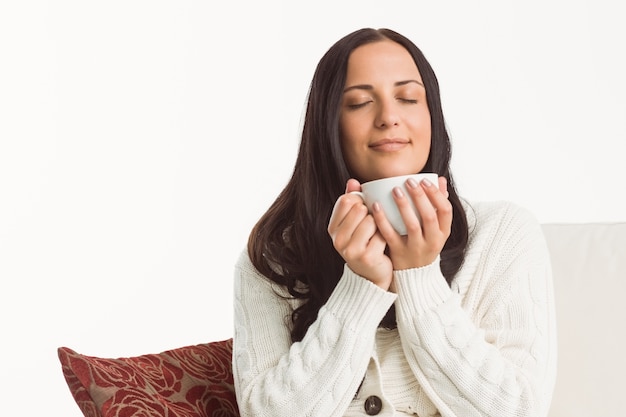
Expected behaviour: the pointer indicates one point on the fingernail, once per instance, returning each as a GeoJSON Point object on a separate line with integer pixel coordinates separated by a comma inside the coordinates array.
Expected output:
{"type": "Point", "coordinates": [412, 183]}
{"type": "Point", "coordinates": [398, 192]}
{"type": "Point", "coordinates": [376, 206]}
{"type": "Point", "coordinates": [426, 183]}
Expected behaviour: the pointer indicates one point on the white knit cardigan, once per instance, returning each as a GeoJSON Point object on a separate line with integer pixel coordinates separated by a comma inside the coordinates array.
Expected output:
{"type": "Point", "coordinates": [486, 346]}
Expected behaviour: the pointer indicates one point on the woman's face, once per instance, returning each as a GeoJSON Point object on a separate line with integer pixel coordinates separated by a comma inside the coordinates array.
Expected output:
{"type": "Point", "coordinates": [384, 121]}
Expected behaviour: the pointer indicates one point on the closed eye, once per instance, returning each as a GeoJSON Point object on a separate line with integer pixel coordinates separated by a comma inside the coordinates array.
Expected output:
{"type": "Point", "coordinates": [358, 105]}
{"type": "Point", "coordinates": [408, 100]}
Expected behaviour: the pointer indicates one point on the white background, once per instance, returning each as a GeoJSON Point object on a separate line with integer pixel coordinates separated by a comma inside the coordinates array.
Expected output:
{"type": "Point", "coordinates": [141, 140]}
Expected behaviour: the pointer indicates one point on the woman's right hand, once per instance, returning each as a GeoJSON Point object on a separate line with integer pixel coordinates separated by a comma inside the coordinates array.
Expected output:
{"type": "Point", "coordinates": [356, 238]}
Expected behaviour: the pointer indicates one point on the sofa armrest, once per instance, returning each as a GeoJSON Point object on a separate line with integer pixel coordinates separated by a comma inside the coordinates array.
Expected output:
{"type": "Point", "coordinates": [190, 381]}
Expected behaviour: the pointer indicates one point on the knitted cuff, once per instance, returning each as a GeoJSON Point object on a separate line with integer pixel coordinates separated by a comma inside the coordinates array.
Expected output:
{"type": "Point", "coordinates": [357, 302]}
{"type": "Point", "coordinates": [421, 289]}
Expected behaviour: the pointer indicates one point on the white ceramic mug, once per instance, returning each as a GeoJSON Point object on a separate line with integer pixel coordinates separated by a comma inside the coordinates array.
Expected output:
{"type": "Point", "coordinates": [381, 191]}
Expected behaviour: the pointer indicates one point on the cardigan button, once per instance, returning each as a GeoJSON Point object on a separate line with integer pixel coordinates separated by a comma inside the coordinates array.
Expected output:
{"type": "Point", "coordinates": [373, 405]}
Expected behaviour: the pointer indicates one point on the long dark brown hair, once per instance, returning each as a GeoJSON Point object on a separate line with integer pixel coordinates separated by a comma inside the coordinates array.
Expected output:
{"type": "Point", "coordinates": [290, 244]}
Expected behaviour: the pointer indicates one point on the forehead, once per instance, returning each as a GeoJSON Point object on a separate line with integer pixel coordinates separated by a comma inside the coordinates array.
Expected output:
{"type": "Point", "coordinates": [379, 61]}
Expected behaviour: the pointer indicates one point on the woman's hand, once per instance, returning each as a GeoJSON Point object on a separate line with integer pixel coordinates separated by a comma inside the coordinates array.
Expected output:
{"type": "Point", "coordinates": [423, 243]}
{"type": "Point", "coordinates": [356, 238]}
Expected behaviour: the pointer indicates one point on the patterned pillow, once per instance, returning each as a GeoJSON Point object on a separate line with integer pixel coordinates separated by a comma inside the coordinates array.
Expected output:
{"type": "Point", "coordinates": [191, 381]}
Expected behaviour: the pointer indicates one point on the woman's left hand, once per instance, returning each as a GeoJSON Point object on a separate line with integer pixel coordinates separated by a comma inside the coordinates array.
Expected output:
{"type": "Point", "coordinates": [425, 241]}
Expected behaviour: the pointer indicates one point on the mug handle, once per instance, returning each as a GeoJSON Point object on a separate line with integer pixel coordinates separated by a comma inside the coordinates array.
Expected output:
{"type": "Point", "coordinates": [359, 193]}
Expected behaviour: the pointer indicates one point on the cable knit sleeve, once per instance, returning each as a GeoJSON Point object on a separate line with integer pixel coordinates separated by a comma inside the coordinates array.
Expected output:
{"type": "Point", "coordinates": [490, 351]}
{"type": "Point", "coordinates": [317, 376]}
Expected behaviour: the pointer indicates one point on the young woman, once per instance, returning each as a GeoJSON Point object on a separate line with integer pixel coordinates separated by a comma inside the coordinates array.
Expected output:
{"type": "Point", "coordinates": [338, 315]}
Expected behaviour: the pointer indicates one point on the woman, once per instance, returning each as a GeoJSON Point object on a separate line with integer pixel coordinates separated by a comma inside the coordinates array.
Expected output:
{"type": "Point", "coordinates": [338, 315]}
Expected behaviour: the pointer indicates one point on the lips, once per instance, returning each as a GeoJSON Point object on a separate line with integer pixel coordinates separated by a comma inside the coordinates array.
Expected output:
{"type": "Point", "coordinates": [389, 145]}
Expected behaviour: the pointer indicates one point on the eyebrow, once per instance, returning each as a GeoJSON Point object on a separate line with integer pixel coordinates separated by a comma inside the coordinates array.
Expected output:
{"type": "Point", "coordinates": [370, 87]}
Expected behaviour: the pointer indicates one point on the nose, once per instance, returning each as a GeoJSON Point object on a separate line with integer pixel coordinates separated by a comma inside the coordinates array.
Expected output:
{"type": "Point", "coordinates": [387, 115]}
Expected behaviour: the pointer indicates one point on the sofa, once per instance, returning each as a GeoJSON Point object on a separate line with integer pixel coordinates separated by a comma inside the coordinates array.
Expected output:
{"type": "Point", "coordinates": [589, 266]}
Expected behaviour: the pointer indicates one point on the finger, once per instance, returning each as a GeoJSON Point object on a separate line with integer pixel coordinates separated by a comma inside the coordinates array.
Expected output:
{"type": "Point", "coordinates": [441, 206]}
{"type": "Point", "coordinates": [365, 247]}
{"type": "Point", "coordinates": [342, 232]}
{"type": "Point", "coordinates": [343, 206]}
{"type": "Point", "coordinates": [405, 207]}
{"type": "Point", "coordinates": [420, 195]}
{"type": "Point", "coordinates": [344, 203]}
{"type": "Point", "coordinates": [416, 201]}
{"type": "Point", "coordinates": [382, 222]}
{"type": "Point", "coordinates": [377, 243]}
{"type": "Point", "coordinates": [443, 186]}
{"type": "Point", "coordinates": [363, 233]}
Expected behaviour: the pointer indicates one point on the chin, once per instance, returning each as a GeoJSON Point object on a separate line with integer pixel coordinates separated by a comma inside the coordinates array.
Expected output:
{"type": "Point", "coordinates": [389, 169]}
{"type": "Point", "coordinates": [397, 173]}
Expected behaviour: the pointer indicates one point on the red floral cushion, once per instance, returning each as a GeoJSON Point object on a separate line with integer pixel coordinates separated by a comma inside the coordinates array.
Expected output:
{"type": "Point", "coordinates": [191, 381]}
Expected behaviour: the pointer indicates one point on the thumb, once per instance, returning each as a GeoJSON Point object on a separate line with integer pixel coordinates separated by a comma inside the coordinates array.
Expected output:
{"type": "Point", "coordinates": [352, 185]}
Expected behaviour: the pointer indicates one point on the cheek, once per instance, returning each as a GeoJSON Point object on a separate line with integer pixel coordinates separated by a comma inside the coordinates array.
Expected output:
{"type": "Point", "coordinates": [350, 134]}
{"type": "Point", "coordinates": [348, 149]}
{"type": "Point", "coordinates": [347, 127]}
{"type": "Point", "coordinates": [419, 120]}
{"type": "Point", "coordinates": [349, 145]}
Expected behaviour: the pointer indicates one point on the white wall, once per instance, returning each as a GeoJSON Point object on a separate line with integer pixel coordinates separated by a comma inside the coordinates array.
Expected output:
{"type": "Point", "coordinates": [141, 140]}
